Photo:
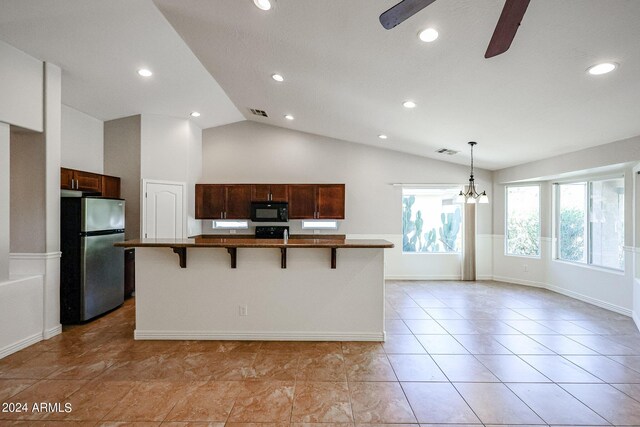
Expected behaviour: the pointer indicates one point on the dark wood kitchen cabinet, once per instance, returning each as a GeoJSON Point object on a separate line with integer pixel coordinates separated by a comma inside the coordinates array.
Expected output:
{"type": "Point", "coordinates": [129, 272]}
{"type": "Point", "coordinates": [71, 179]}
{"type": "Point", "coordinates": [316, 201]}
{"type": "Point", "coordinates": [101, 185]}
{"type": "Point", "coordinates": [110, 186]}
{"type": "Point", "coordinates": [269, 192]}
{"type": "Point", "coordinates": [223, 201]}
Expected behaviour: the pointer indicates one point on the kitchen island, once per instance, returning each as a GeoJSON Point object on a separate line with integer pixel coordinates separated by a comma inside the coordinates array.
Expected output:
{"type": "Point", "coordinates": [242, 288]}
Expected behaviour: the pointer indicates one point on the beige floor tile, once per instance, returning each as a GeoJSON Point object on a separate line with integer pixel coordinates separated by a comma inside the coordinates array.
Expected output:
{"type": "Point", "coordinates": [416, 367]}
{"type": "Point", "coordinates": [412, 313]}
{"type": "Point", "coordinates": [481, 344]}
{"type": "Point", "coordinates": [603, 345]}
{"type": "Point", "coordinates": [263, 401]}
{"type": "Point", "coordinates": [443, 313]}
{"type": "Point", "coordinates": [494, 403]}
{"type": "Point", "coordinates": [322, 402]}
{"type": "Point", "coordinates": [529, 327]}
{"type": "Point", "coordinates": [606, 369]}
{"type": "Point", "coordinates": [369, 367]}
{"type": "Point", "coordinates": [438, 403]}
{"type": "Point", "coordinates": [380, 402]}
{"type": "Point", "coordinates": [554, 405]}
{"type": "Point", "coordinates": [464, 368]}
{"type": "Point", "coordinates": [396, 326]}
{"type": "Point", "coordinates": [441, 344]}
{"type": "Point", "coordinates": [562, 345]}
{"type": "Point", "coordinates": [521, 344]}
{"type": "Point", "coordinates": [420, 326]}
{"type": "Point", "coordinates": [45, 391]}
{"type": "Point", "coordinates": [9, 388]}
{"type": "Point", "coordinates": [559, 370]}
{"type": "Point", "coordinates": [218, 366]}
{"type": "Point", "coordinates": [611, 404]}
{"type": "Point", "coordinates": [362, 347]}
{"type": "Point", "coordinates": [510, 368]}
{"type": "Point", "coordinates": [403, 344]}
{"type": "Point", "coordinates": [564, 327]}
{"type": "Point", "coordinates": [94, 400]}
{"type": "Point", "coordinates": [274, 366]}
{"type": "Point", "coordinates": [148, 401]}
{"type": "Point", "coordinates": [324, 367]}
{"type": "Point", "coordinates": [209, 401]}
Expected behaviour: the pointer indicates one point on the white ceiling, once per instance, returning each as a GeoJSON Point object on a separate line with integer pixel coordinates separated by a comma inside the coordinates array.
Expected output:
{"type": "Point", "coordinates": [346, 77]}
{"type": "Point", "coordinates": [100, 44]}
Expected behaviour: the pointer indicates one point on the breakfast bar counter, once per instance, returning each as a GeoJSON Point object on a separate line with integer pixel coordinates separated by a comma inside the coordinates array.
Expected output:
{"type": "Point", "coordinates": [303, 288]}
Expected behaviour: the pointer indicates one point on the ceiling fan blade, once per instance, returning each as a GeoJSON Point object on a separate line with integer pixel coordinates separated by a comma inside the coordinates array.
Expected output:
{"type": "Point", "coordinates": [507, 26]}
{"type": "Point", "coordinates": [403, 10]}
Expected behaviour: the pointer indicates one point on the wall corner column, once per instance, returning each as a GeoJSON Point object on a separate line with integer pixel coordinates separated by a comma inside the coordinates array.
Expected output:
{"type": "Point", "coordinates": [52, 131]}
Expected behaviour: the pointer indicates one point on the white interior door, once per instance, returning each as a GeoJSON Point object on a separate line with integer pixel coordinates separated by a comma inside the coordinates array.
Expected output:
{"type": "Point", "coordinates": [164, 210]}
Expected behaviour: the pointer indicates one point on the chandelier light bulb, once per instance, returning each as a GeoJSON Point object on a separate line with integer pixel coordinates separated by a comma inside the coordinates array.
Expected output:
{"type": "Point", "coordinates": [472, 196]}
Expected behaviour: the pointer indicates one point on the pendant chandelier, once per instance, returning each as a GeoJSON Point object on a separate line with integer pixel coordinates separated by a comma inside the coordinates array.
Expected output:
{"type": "Point", "coordinates": [472, 195]}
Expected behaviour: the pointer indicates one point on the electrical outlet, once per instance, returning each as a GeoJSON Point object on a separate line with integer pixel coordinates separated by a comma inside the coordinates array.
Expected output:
{"type": "Point", "coordinates": [525, 268]}
{"type": "Point", "coordinates": [242, 310]}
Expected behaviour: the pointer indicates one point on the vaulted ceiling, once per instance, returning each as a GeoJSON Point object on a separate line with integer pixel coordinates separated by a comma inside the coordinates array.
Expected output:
{"type": "Point", "coordinates": [345, 76]}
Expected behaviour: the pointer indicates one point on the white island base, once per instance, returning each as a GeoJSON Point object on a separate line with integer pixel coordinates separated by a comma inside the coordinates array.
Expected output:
{"type": "Point", "coordinates": [259, 300]}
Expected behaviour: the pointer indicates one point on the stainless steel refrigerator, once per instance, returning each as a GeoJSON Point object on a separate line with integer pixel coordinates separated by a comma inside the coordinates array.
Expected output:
{"type": "Point", "coordinates": [91, 268]}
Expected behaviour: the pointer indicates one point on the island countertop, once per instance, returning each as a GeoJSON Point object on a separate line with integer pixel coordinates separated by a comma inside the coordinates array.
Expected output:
{"type": "Point", "coordinates": [250, 242]}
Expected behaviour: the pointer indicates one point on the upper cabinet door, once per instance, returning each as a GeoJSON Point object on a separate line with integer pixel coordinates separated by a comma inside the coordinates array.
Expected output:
{"type": "Point", "coordinates": [330, 201]}
{"type": "Point", "coordinates": [238, 201]}
{"type": "Point", "coordinates": [66, 179]}
{"type": "Point", "coordinates": [88, 181]}
{"type": "Point", "coordinates": [302, 201]}
{"type": "Point", "coordinates": [110, 186]}
{"type": "Point", "coordinates": [210, 201]}
{"type": "Point", "coordinates": [279, 192]}
{"type": "Point", "coordinates": [260, 192]}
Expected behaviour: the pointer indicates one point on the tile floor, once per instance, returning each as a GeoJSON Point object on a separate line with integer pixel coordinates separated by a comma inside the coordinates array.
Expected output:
{"type": "Point", "coordinates": [457, 353]}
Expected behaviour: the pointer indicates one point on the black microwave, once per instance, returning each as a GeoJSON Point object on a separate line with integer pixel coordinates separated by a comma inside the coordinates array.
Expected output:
{"type": "Point", "coordinates": [269, 211]}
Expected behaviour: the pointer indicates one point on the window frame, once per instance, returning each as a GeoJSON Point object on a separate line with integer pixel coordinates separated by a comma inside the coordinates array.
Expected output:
{"type": "Point", "coordinates": [506, 220]}
{"type": "Point", "coordinates": [457, 188]}
{"type": "Point", "coordinates": [588, 205]}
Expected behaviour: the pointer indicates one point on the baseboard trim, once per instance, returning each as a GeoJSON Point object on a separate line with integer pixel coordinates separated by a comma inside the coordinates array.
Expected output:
{"type": "Point", "coordinates": [23, 343]}
{"type": "Point", "coordinates": [423, 277]}
{"type": "Point", "coordinates": [636, 319]}
{"type": "Point", "coordinates": [572, 294]}
{"type": "Point", "coordinates": [257, 336]}
{"type": "Point", "coordinates": [531, 283]}
{"type": "Point", "coordinates": [52, 332]}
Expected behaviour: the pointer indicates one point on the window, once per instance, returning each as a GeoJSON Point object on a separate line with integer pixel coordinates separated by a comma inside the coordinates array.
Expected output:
{"type": "Point", "coordinates": [320, 225]}
{"type": "Point", "coordinates": [523, 220]}
{"type": "Point", "coordinates": [591, 222]}
{"type": "Point", "coordinates": [431, 221]}
{"type": "Point", "coordinates": [230, 225]}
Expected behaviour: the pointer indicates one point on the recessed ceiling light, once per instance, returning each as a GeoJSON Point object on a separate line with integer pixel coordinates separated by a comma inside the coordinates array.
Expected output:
{"type": "Point", "coordinates": [262, 4]}
{"type": "Point", "coordinates": [195, 114]}
{"type": "Point", "coordinates": [144, 72]}
{"type": "Point", "coordinates": [382, 136]}
{"type": "Point", "coordinates": [428, 35]}
{"type": "Point", "coordinates": [604, 68]}
{"type": "Point", "coordinates": [288, 117]}
{"type": "Point", "coordinates": [277, 77]}
{"type": "Point", "coordinates": [409, 104]}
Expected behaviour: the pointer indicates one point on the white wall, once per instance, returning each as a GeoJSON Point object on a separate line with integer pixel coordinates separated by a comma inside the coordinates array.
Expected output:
{"type": "Point", "coordinates": [21, 89]}
{"type": "Point", "coordinates": [249, 152]}
{"type": "Point", "coordinates": [82, 141]}
{"type": "Point", "coordinates": [21, 313]}
{"type": "Point", "coordinates": [170, 151]}
{"type": "Point", "coordinates": [607, 288]}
